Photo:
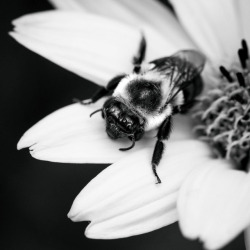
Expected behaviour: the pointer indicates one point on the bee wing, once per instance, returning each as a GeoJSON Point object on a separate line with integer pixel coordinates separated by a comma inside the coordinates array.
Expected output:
{"type": "Point", "coordinates": [180, 68]}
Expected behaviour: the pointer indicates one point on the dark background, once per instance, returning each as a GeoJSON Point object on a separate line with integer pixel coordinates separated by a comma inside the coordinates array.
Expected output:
{"type": "Point", "coordinates": [36, 195]}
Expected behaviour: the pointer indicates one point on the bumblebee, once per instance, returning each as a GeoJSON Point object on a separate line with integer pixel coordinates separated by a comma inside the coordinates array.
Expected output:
{"type": "Point", "coordinates": [150, 96]}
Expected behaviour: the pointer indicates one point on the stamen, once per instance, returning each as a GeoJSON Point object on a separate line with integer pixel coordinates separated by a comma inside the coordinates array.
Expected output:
{"type": "Point", "coordinates": [241, 79]}
{"type": "Point", "coordinates": [223, 117]}
{"type": "Point", "coordinates": [245, 48]}
{"type": "Point", "coordinates": [242, 57]}
{"type": "Point", "coordinates": [225, 73]}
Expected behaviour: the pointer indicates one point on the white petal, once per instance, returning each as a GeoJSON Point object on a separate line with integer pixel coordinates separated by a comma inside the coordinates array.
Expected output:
{"type": "Point", "coordinates": [123, 200]}
{"type": "Point", "coordinates": [150, 14]}
{"type": "Point", "coordinates": [97, 47]}
{"type": "Point", "coordinates": [70, 135]}
{"type": "Point", "coordinates": [93, 47]}
{"type": "Point", "coordinates": [155, 215]}
{"type": "Point", "coordinates": [213, 25]}
{"type": "Point", "coordinates": [182, 128]}
{"type": "Point", "coordinates": [156, 21]}
{"type": "Point", "coordinates": [214, 204]}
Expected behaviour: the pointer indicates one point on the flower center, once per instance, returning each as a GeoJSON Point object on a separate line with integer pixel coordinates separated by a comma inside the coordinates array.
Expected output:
{"type": "Point", "coordinates": [223, 113]}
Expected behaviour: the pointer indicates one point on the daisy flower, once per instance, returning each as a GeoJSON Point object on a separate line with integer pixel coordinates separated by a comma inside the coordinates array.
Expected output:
{"type": "Point", "coordinates": [208, 195]}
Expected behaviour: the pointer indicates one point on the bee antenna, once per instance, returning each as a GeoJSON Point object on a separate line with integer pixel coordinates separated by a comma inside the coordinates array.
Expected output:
{"type": "Point", "coordinates": [133, 144]}
{"type": "Point", "coordinates": [98, 110]}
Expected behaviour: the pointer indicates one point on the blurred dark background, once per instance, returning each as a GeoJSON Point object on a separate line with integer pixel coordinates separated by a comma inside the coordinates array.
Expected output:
{"type": "Point", "coordinates": [36, 195]}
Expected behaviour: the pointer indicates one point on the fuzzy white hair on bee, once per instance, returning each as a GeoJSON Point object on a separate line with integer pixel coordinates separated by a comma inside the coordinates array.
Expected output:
{"type": "Point", "coordinates": [150, 96]}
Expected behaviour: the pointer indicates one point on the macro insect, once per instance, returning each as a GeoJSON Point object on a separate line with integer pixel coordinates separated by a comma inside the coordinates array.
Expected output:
{"type": "Point", "coordinates": [150, 96]}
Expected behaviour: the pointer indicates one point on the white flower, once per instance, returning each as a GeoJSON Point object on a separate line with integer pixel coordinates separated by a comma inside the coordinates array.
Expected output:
{"type": "Point", "coordinates": [97, 41]}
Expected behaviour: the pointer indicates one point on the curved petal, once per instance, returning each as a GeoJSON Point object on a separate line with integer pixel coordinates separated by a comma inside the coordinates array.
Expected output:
{"type": "Point", "coordinates": [214, 204]}
{"type": "Point", "coordinates": [70, 135]}
{"type": "Point", "coordinates": [123, 200]}
{"type": "Point", "coordinates": [96, 47]}
{"type": "Point", "coordinates": [155, 19]}
{"type": "Point", "coordinates": [90, 46]}
{"type": "Point", "coordinates": [214, 26]}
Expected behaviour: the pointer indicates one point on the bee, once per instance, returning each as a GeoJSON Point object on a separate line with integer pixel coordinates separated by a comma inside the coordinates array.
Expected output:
{"type": "Point", "coordinates": [150, 96]}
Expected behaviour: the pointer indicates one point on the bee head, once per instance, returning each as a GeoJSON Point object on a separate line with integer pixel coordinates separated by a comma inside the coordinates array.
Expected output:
{"type": "Point", "coordinates": [121, 121]}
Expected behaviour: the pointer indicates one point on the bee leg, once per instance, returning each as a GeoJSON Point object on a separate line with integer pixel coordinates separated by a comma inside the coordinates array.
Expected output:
{"type": "Point", "coordinates": [102, 91]}
{"type": "Point", "coordinates": [163, 134]}
{"type": "Point", "coordinates": [137, 60]}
